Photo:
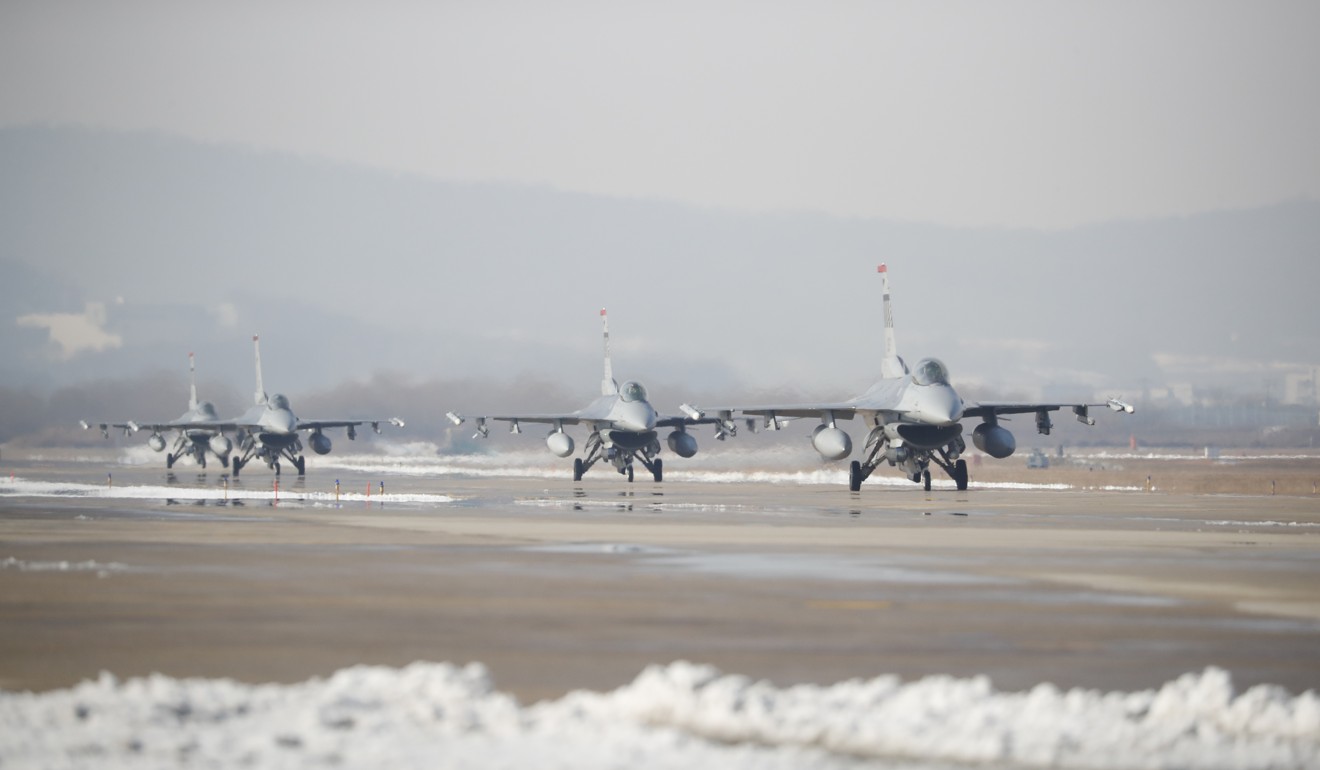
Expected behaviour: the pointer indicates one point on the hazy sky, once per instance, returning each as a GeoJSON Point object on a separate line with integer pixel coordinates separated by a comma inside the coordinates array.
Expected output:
{"type": "Point", "coordinates": [1016, 113]}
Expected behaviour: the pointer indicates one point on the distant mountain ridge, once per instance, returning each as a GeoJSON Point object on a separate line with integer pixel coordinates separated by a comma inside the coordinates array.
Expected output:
{"type": "Point", "coordinates": [354, 271]}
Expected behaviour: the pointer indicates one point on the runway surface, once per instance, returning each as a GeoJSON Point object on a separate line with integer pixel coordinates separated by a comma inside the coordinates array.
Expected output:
{"type": "Point", "coordinates": [557, 586]}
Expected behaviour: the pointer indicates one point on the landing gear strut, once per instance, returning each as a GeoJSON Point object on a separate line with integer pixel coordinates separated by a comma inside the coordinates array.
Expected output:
{"type": "Point", "coordinates": [957, 470]}
{"type": "Point", "coordinates": [914, 462]}
{"type": "Point", "coordinates": [270, 455]}
{"type": "Point", "coordinates": [622, 458]}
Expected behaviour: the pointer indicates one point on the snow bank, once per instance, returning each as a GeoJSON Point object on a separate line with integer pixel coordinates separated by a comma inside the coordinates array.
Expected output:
{"type": "Point", "coordinates": [680, 716]}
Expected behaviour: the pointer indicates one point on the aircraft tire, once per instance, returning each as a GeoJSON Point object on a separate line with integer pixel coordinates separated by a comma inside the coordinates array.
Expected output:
{"type": "Point", "coordinates": [855, 477]}
{"type": "Point", "coordinates": [238, 465]}
{"type": "Point", "coordinates": [925, 480]}
{"type": "Point", "coordinates": [169, 461]}
{"type": "Point", "coordinates": [277, 467]}
{"type": "Point", "coordinates": [630, 474]}
{"type": "Point", "coordinates": [960, 479]}
{"type": "Point", "coordinates": [301, 465]}
{"type": "Point", "coordinates": [659, 471]}
{"type": "Point", "coordinates": [202, 461]}
{"type": "Point", "coordinates": [578, 470]}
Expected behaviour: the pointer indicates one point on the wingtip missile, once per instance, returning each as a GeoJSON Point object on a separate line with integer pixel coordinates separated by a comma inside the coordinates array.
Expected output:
{"type": "Point", "coordinates": [1121, 406]}
{"type": "Point", "coordinates": [454, 417]}
{"type": "Point", "coordinates": [691, 412]}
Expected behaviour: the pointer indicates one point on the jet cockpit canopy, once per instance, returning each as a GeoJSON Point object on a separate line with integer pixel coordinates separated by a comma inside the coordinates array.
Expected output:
{"type": "Point", "coordinates": [930, 371]}
{"type": "Point", "coordinates": [632, 390]}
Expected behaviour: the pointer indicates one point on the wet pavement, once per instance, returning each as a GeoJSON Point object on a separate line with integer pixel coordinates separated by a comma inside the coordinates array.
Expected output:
{"type": "Point", "coordinates": [557, 586]}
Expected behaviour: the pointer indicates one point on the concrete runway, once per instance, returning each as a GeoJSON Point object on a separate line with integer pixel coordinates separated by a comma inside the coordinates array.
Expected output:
{"type": "Point", "coordinates": [557, 586]}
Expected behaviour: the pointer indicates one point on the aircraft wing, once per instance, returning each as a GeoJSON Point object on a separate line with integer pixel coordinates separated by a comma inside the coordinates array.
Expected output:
{"type": "Point", "coordinates": [993, 409]}
{"type": "Point", "coordinates": [549, 419]}
{"type": "Point", "coordinates": [132, 426]}
{"type": "Point", "coordinates": [323, 424]}
{"type": "Point", "coordinates": [517, 419]}
{"type": "Point", "coordinates": [679, 421]}
{"type": "Point", "coordinates": [840, 411]}
{"type": "Point", "coordinates": [775, 416]}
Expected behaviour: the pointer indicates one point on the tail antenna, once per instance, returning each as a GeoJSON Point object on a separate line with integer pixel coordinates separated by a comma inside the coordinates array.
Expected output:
{"type": "Point", "coordinates": [608, 386]}
{"type": "Point", "coordinates": [192, 382]}
{"type": "Point", "coordinates": [261, 390]}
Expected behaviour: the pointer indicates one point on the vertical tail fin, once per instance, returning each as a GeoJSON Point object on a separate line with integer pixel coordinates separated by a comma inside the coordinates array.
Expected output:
{"type": "Point", "coordinates": [192, 382]}
{"type": "Point", "coordinates": [608, 386]}
{"type": "Point", "coordinates": [891, 365]}
{"type": "Point", "coordinates": [261, 390]}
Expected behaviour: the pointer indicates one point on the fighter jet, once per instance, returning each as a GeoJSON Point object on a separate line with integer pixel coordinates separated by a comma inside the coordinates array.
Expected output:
{"type": "Point", "coordinates": [914, 418]}
{"type": "Point", "coordinates": [622, 422]}
{"type": "Point", "coordinates": [192, 440]}
{"type": "Point", "coordinates": [269, 430]}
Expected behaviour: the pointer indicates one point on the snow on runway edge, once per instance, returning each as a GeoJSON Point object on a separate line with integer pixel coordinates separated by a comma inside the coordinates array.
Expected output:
{"type": "Point", "coordinates": [680, 715]}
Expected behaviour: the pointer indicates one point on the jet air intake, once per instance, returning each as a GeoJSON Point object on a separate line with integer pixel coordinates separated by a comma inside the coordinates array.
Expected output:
{"type": "Point", "coordinates": [682, 443]}
{"type": "Point", "coordinates": [831, 442]}
{"type": "Point", "coordinates": [996, 441]}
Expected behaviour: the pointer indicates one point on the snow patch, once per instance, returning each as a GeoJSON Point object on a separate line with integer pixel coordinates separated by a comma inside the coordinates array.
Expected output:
{"type": "Point", "coordinates": [679, 715]}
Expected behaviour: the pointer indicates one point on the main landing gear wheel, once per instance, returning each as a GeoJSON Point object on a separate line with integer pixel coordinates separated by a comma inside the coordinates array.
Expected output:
{"type": "Point", "coordinates": [301, 465]}
{"type": "Point", "coordinates": [277, 467]}
{"type": "Point", "coordinates": [855, 476]}
{"type": "Point", "coordinates": [925, 480]}
{"type": "Point", "coordinates": [659, 471]}
{"type": "Point", "coordinates": [960, 475]}
{"type": "Point", "coordinates": [169, 461]}
{"type": "Point", "coordinates": [238, 465]}
{"type": "Point", "coordinates": [630, 474]}
{"type": "Point", "coordinates": [577, 468]}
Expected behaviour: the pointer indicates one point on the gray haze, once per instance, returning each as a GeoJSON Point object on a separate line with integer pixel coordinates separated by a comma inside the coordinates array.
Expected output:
{"type": "Point", "coordinates": [1075, 200]}
{"type": "Point", "coordinates": [1036, 114]}
{"type": "Point", "coordinates": [146, 247]}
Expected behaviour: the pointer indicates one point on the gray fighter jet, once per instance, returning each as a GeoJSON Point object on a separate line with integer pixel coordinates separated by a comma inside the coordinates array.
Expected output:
{"type": "Point", "coordinates": [622, 422]}
{"type": "Point", "coordinates": [270, 431]}
{"type": "Point", "coordinates": [192, 440]}
{"type": "Point", "coordinates": [914, 418]}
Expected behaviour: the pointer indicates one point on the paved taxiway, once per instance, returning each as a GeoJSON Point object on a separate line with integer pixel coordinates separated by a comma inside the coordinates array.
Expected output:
{"type": "Point", "coordinates": [556, 585]}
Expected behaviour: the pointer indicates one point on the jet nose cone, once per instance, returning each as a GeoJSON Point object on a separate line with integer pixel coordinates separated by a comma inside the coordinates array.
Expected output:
{"type": "Point", "coordinates": [637, 416]}
{"type": "Point", "coordinates": [941, 406]}
{"type": "Point", "coordinates": [282, 421]}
